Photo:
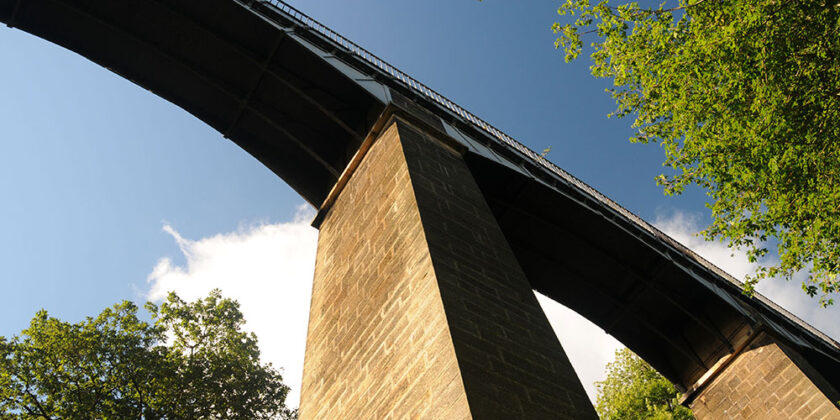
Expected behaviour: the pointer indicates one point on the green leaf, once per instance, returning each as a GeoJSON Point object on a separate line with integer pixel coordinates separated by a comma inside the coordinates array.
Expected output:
{"type": "Point", "coordinates": [744, 99]}
{"type": "Point", "coordinates": [116, 366]}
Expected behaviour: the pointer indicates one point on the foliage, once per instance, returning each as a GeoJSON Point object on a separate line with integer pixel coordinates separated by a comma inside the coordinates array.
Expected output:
{"type": "Point", "coordinates": [744, 98]}
{"type": "Point", "coordinates": [634, 390]}
{"type": "Point", "coordinates": [193, 362]}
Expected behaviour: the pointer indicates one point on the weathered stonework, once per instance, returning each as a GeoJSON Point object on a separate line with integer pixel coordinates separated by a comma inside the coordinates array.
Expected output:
{"type": "Point", "coordinates": [419, 307]}
{"type": "Point", "coordinates": [763, 383]}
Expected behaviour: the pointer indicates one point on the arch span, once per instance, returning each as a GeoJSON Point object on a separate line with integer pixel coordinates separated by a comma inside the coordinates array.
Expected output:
{"type": "Point", "coordinates": [304, 101]}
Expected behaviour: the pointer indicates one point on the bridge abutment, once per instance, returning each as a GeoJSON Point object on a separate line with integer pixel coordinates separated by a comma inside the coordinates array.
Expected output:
{"type": "Point", "coordinates": [419, 307]}
{"type": "Point", "coordinates": [765, 380]}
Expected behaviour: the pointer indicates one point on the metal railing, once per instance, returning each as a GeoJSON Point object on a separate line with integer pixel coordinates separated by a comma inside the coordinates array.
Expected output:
{"type": "Point", "coordinates": [303, 20]}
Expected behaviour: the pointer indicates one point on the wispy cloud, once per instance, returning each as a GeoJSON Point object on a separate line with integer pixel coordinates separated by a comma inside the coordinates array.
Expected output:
{"type": "Point", "coordinates": [268, 269]}
{"type": "Point", "coordinates": [590, 349]}
{"type": "Point", "coordinates": [788, 294]}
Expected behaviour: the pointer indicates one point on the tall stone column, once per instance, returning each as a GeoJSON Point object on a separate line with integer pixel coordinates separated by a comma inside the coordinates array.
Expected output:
{"type": "Point", "coordinates": [419, 307]}
{"type": "Point", "coordinates": [764, 382]}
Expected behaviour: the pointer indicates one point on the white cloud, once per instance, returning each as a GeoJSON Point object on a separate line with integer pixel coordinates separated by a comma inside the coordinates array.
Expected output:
{"type": "Point", "coordinates": [590, 348]}
{"type": "Point", "coordinates": [787, 294]}
{"type": "Point", "coordinates": [268, 268]}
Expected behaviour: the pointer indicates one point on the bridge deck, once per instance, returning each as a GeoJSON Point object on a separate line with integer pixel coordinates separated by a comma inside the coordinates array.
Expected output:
{"type": "Point", "coordinates": [301, 99]}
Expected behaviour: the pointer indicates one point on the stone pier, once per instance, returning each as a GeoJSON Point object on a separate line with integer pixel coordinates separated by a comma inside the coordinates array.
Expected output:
{"type": "Point", "coordinates": [765, 380]}
{"type": "Point", "coordinates": [419, 307]}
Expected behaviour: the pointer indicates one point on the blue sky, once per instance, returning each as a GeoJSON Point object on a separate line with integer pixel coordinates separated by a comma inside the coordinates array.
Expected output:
{"type": "Point", "coordinates": [92, 167]}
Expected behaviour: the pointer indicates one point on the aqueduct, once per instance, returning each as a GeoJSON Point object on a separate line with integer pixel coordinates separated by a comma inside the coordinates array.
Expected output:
{"type": "Point", "coordinates": [435, 227]}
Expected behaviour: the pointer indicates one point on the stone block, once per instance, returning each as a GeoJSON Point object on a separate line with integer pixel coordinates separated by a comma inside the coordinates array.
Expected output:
{"type": "Point", "coordinates": [419, 307]}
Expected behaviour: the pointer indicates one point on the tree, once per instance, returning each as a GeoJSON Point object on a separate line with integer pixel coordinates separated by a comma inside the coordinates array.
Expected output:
{"type": "Point", "coordinates": [744, 98]}
{"type": "Point", "coordinates": [193, 362]}
{"type": "Point", "coordinates": [634, 390]}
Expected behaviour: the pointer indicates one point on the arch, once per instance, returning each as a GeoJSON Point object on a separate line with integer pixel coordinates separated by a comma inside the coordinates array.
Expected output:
{"type": "Point", "coordinates": [303, 101]}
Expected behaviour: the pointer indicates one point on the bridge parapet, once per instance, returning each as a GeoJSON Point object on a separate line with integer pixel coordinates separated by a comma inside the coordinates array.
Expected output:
{"type": "Point", "coordinates": [306, 102]}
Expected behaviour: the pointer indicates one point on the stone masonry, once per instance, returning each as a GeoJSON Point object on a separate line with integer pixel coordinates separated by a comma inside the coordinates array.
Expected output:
{"type": "Point", "coordinates": [763, 383]}
{"type": "Point", "coordinates": [419, 307]}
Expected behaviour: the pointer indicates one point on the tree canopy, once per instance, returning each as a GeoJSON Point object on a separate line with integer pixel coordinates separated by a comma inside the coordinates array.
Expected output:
{"type": "Point", "coordinates": [743, 96]}
{"type": "Point", "coordinates": [634, 390]}
{"type": "Point", "coordinates": [193, 362]}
